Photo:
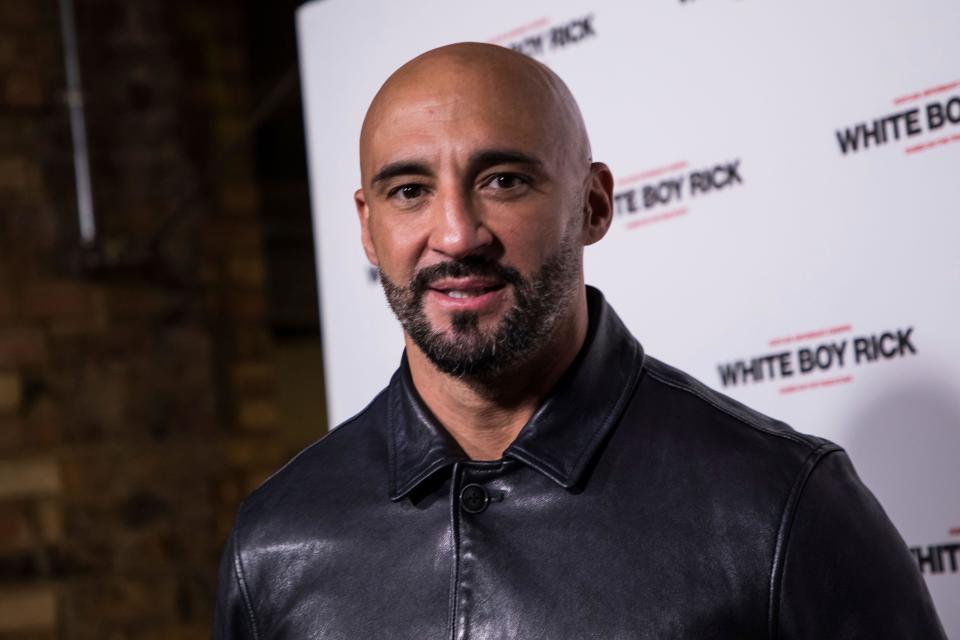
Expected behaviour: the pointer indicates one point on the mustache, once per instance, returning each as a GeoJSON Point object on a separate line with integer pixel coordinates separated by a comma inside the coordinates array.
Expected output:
{"type": "Point", "coordinates": [463, 268]}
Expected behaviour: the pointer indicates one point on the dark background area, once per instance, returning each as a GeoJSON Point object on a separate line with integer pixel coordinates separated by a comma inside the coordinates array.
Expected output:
{"type": "Point", "coordinates": [152, 379]}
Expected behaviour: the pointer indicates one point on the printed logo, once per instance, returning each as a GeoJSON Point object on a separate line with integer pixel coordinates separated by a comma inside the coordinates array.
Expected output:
{"type": "Point", "coordinates": [663, 193]}
{"type": "Point", "coordinates": [817, 356]}
{"type": "Point", "coordinates": [536, 38]}
{"type": "Point", "coordinates": [937, 116]}
{"type": "Point", "coordinates": [935, 559]}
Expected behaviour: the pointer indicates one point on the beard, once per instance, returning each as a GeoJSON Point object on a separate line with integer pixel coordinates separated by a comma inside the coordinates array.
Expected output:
{"type": "Point", "coordinates": [467, 350]}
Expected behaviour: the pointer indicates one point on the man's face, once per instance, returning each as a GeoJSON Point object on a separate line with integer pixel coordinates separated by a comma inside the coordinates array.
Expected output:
{"type": "Point", "coordinates": [472, 211]}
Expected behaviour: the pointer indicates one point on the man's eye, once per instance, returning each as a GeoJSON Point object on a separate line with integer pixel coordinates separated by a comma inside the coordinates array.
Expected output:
{"type": "Point", "coordinates": [505, 181]}
{"type": "Point", "coordinates": [407, 191]}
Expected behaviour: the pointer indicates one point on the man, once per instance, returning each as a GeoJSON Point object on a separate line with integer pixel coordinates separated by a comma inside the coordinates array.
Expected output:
{"type": "Point", "coordinates": [529, 472]}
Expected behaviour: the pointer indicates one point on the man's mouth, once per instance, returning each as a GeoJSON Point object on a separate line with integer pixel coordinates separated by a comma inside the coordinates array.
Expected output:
{"type": "Point", "coordinates": [466, 289]}
{"type": "Point", "coordinates": [473, 292]}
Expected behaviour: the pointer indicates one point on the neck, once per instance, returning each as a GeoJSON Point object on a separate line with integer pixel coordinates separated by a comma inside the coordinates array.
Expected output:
{"type": "Point", "coordinates": [485, 416]}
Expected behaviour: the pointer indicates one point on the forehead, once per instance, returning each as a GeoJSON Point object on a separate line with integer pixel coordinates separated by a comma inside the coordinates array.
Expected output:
{"type": "Point", "coordinates": [459, 112]}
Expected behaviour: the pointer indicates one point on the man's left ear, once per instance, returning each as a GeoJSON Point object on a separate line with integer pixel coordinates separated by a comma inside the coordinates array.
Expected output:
{"type": "Point", "coordinates": [598, 203]}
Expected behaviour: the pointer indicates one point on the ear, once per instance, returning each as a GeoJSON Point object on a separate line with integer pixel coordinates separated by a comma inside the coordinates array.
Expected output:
{"type": "Point", "coordinates": [598, 203]}
{"type": "Point", "coordinates": [363, 212]}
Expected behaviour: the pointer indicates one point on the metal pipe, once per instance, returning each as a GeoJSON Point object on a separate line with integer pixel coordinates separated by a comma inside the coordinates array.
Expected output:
{"type": "Point", "coordinates": [78, 130]}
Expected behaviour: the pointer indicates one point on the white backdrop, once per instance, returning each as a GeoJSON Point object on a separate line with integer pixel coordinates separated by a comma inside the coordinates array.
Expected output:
{"type": "Point", "coordinates": [788, 180]}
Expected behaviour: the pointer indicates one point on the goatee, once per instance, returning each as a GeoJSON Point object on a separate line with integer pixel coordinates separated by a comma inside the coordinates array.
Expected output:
{"type": "Point", "coordinates": [469, 351]}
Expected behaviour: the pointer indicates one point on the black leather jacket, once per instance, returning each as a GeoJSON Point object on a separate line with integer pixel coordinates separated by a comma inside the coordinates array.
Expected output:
{"type": "Point", "coordinates": [636, 503]}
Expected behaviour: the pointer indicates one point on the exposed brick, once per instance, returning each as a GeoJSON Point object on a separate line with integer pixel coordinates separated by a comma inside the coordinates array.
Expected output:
{"type": "Point", "coordinates": [251, 342]}
{"type": "Point", "coordinates": [38, 51]}
{"type": "Point", "coordinates": [232, 236]}
{"type": "Point", "coordinates": [81, 474]}
{"type": "Point", "coordinates": [28, 609]}
{"type": "Point", "coordinates": [223, 96]}
{"type": "Point", "coordinates": [33, 226]}
{"type": "Point", "coordinates": [17, 131]}
{"type": "Point", "coordinates": [22, 346]}
{"type": "Point", "coordinates": [49, 514]}
{"type": "Point", "coordinates": [11, 391]}
{"type": "Point", "coordinates": [248, 306]}
{"type": "Point", "coordinates": [25, 90]}
{"type": "Point", "coordinates": [145, 410]}
{"type": "Point", "coordinates": [136, 302]}
{"type": "Point", "coordinates": [239, 198]}
{"type": "Point", "coordinates": [249, 271]}
{"type": "Point", "coordinates": [94, 319]}
{"type": "Point", "coordinates": [224, 59]}
{"type": "Point", "coordinates": [200, 21]}
{"type": "Point", "coordinates": [177, 632]}
{"type": "Point", "coordinates": [8, 307]}
{"type": "Point", "coordinates": [27, 525]}
{"type": "Point", "coordinates": [119, 600]}
{"type": "Point", "coordinates": [57, 298]}
{"type": "Point", "coordinates": [252, 376]}
{"type": "Point", "coordinates": [257, 415]}
{"type": "Point", "coordinates": [28, 478]}
{"type": "Point", "coordinates": [8, 49]}
{"type": "Point", "coordinates": [230, 129]}
{"type": "Point", "coordinates": [253, 452]}
{"type": "Point", "coordinates": [16, 13]}
{"type": "Point", "coordinates": [43, 423]}
{"type": "Point", "coordinates": [99, 394]}
{"type": "Point", "coordinates": [16, 533]}
{"type": "Point", "coordinates": [19, 174]}
{"type": "Point", "coordinates": [11, 432]}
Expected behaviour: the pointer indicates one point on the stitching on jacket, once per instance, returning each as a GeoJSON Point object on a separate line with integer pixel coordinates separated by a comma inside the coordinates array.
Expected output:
{"type": "Point", "coordinates": [242, 583]}
{"type": "Point", "coordinates": [392, 454]}
{"type": "Point", "coordinates": [452, 603]}
{"type": "Point", "coordinates": [401, 491]}
{"type": "Point", "coordinates": [536, 462]}
{"type": "Point", "coordinates": [783, 532]}
{"type": "Point", "coordinates": [727, 410]}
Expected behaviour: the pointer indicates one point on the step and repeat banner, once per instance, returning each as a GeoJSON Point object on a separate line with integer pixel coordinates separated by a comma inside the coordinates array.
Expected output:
{"type": "Point", "coordinates": [787, 210]}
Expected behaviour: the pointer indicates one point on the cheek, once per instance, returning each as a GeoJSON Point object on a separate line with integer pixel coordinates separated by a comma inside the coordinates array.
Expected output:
{"type": "Point", "coordinates": [398, 248]}
{"type": "Point", "coordinates": [529, 240]}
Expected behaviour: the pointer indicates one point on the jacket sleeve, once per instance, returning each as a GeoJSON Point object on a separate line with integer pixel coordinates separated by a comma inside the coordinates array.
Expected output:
{"type": "Point", "coordinates": [234, 617]}
{"type": "Point", "coordinates": [846, 573]}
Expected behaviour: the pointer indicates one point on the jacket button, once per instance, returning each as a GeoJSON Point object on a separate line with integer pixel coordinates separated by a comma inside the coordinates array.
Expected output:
{"type": "Point", "coordinates": [474, 498]}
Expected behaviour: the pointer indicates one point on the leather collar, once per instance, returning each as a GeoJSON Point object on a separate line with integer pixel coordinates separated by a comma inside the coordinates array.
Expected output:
{"type": "Point", "coordinates": [560, 438]}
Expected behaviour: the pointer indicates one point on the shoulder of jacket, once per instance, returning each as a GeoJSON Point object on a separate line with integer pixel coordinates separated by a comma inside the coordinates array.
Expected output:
{"type": "Point", "coordinates": [727, 406]}
{"type": "Point", "coordinates": [327, 452]}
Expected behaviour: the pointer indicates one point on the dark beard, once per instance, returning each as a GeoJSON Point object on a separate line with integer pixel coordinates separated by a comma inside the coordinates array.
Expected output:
{"type": "Point", "coordinates": [470, 352]}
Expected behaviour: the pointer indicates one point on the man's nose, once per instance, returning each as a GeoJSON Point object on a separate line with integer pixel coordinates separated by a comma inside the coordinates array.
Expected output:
{"type": "Point", "coordinates": [459, 228]}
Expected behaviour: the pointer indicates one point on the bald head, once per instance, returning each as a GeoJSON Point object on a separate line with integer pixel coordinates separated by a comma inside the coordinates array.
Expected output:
{"type": "Point", "coordinates": [500, 82]}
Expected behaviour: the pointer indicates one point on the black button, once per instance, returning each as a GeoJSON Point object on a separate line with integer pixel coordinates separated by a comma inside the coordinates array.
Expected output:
{"type": "Point", "coordinates": [474, 498]}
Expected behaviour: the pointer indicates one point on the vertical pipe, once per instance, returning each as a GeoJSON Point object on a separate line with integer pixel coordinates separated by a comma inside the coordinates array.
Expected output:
{"type": "Point", "coordinates": [81, 164]}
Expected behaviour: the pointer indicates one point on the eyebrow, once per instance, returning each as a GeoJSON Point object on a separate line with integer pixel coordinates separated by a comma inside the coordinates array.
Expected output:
{"type": "Point", "coordinates": [401, 168]}
{"type": "Point", "coordinates": [478, 161]}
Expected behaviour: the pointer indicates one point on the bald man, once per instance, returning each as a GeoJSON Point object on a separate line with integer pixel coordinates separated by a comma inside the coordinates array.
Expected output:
{"type": "Point", "coordinates": [529, 472]}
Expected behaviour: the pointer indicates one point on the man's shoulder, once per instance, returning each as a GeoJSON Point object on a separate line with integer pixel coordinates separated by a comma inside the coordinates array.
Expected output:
{"type": "Point", "coordinates": [708, 410]}
{"type": "Point", "coordinates": [731, 458]}
{"type": "Point", "coordinates": [344, 464]}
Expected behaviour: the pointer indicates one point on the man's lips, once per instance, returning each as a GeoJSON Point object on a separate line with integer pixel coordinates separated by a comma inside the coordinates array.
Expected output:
{"type": "Point", "coordinates": [460, 288]}
{"type": "Point", "coordinates": [466, 294]}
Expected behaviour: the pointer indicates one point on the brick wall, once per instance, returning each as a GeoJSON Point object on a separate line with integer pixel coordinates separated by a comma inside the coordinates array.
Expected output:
{"type": "Point", "coordinates": [137, 401]}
